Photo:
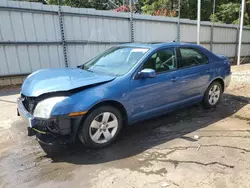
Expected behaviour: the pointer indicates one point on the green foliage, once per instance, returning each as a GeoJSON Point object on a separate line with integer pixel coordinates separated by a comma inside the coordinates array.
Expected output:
{"type": "Point", "coordinates": [151, 6]}
{"type": "Point", "coordinates": [227, 11]}
{"type": "Point", "coordinates": [189, 9]}
{"type": "Point", "coordinates": [40, 1]}
{"type": "Point", "coordinates": [229, 14]}
{"type": "Point", "coordinates": [96, 4]}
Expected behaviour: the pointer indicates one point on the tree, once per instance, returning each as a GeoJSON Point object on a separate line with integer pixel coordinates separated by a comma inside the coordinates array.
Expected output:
{"type": "Point", "coordinates": [122, 9]}
{"type": "Point", "coordinates": [151, 6]}
{"type": "Point", "coordinates": [96, 4]}
{"type": "Point", "coordinates": [229, 13]}
{"type": "Point", "coordinates": [188, 8]}
{"type": "Point", "coordinates": [39, 1]}
{"type": "Point", "coordinates": [165, 12]}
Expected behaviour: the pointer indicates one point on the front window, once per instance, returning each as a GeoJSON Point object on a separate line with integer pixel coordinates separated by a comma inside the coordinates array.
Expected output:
{"type": "Point", "coordinates": [116, 61]}
{"type": "Point", "coordinates": [162, 61]}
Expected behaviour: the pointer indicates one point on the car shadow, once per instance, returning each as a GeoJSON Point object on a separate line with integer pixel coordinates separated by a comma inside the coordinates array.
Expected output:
{"type": "Point", "coordinates": [144, 135]}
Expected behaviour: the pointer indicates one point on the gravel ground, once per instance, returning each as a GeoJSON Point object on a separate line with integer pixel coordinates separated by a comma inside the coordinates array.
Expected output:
{"type": "Point", "coordinates": [187, 148]}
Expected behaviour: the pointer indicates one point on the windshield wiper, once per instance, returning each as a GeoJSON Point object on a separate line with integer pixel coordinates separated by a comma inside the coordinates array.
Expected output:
{"type": "Point", "coordinates": [83, 68]}
{"type": "Point", "coordinates": [80, 66]}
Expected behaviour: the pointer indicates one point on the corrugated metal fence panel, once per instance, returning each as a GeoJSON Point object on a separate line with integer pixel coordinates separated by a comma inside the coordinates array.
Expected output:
{"type": "Point", "coordinates": [96, 29]}
{"type": "Point", "coordinates": [39, 24]}
{"type": "Point", "coordinates": [225, 34]}
{"type": "Point", "coordinates": [185, 36]}
{"type": "Point", "coordinates": [4, 2]}
{"type": "Point", "coordinates": [6, 26]}
{"type": "Point", "coordinates": [225, 49]}
{"type": "Point", "coordinates": [89, 29]}
{"type": "Point", "coordinates": [205, 34]}
{"type": "Point", "coordinates": [188, 33]}
{"type": "Point", "coordinates": [20, 26]}
{"type": "Point", "coordinates": [26, 58]}
{"type": "Point", "coordinates": [148, 31]}
{"type": "Point", "coordinates": [79, 54]}
{"type": "Point", "coordinates": [246, 36]}
{"type": "Point", "coordinates": [245, 50]}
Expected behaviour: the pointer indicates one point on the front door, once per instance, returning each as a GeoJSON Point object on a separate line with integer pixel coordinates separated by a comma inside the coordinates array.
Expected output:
{"type": "Point", "coordinates": [152, 96]}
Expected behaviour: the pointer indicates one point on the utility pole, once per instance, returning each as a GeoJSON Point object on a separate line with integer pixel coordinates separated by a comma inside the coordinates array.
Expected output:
{"type": "Point", "coordinates": [198, 20]}
{"type": "Point", "coordinates": [212, 27]}
{"type": "Point", "coordinates": [241, 28]}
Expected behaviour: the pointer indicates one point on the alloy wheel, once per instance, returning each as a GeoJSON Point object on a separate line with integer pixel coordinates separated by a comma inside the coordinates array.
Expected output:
{"type": "Point", "coordinates": [103, 128]}
{"type": "Point", "coordinates": [214, 94]}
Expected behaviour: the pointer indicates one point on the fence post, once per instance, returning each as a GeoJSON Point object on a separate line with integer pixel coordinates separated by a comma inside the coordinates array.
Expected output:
{"type": "Point", "coordinates": [131, 4]}
{"type": "Point", "coordinates": [236, 43]}
{"type": "Point", "coordinates": [61, 22]}
{"type": "Point", "coordinates": [212, 38]}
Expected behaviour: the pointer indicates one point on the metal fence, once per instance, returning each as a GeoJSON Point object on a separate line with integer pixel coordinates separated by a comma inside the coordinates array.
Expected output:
{"type": "Point", "coordinates": [35, 36]}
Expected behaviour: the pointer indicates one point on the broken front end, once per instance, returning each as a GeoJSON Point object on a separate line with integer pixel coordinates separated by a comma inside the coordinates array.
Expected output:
{"type": "Point", "coordinates": [48, 130]}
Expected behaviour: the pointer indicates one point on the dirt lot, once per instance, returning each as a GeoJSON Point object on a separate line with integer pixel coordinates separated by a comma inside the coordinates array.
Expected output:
{"type": "Point", "coordinates": [189, 148]}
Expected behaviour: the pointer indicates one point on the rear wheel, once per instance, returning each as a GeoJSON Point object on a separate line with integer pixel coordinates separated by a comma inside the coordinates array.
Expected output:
{"type": "Point", "coordinates": [212, 95]}
{"type": "Point", "coordinates": [101, 127]}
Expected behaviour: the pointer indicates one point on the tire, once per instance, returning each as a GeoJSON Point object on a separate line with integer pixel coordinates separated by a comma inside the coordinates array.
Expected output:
{"type": "Point", "coordinates": [212, 95]}
{"type": "Point", "coordinates": [101, 127]}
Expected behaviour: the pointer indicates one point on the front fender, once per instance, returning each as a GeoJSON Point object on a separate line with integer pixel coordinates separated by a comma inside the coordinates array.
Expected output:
{"type": "Point", "coordinates": [86, 99]}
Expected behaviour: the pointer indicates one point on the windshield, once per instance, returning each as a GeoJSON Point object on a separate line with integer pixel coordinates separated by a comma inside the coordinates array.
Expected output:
{"type": "Point", "coordinates": [116, 61]}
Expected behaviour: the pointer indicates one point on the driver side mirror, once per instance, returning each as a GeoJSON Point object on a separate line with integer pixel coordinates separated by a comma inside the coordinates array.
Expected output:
{"type": "Point", "coordinates": [147, 73]}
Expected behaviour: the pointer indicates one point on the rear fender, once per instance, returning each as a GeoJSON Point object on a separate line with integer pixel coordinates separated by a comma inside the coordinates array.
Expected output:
{"type": "Point", "coordinates": [217, 78]}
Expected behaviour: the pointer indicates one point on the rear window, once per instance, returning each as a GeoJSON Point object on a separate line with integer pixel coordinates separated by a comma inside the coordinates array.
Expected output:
{"type": "Point", "coordinates": [192, 57]}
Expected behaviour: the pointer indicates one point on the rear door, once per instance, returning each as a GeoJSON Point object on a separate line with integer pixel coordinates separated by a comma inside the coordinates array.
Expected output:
{"type": "Point", "coordinates": [195, 72]}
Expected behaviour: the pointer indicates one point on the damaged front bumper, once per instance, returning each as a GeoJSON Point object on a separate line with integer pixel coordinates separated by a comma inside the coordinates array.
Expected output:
{"type": "Point", "coordinates": [51, 131]}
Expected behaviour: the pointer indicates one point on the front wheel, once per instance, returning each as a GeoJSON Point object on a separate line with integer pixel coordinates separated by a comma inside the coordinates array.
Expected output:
{"type": "Point", "coordinates": [212, 95]}
{"type": "Point", "coordinates": [101, 127]}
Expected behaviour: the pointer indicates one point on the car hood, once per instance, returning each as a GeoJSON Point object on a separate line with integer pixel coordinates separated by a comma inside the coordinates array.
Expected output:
{"type": "Point", "coordinates": [53, 80]}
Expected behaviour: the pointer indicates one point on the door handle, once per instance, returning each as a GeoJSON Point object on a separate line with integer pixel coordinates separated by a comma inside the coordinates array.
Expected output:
{"type": "Point", "coordinates": [174, 79]}
{"type": "Point", "coordinates": [209, 70]}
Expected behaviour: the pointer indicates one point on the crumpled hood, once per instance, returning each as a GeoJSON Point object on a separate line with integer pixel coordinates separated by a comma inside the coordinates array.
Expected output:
{"type": "Point", "coordinates": [52, 80]}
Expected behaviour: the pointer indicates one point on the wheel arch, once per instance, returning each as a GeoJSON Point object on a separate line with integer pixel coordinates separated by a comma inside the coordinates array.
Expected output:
{"type": "Point", "coordinates": [114, 104]}
{"type": "Point", "coordinates": [220, 80]}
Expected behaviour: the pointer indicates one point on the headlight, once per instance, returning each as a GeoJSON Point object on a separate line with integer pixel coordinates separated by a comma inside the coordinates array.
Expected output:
{"type": "Point", "coordinates": [44, 108]}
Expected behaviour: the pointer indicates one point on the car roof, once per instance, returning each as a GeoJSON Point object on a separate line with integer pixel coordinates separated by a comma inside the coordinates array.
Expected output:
{"type": "Point", "coordinates": [158, 45]}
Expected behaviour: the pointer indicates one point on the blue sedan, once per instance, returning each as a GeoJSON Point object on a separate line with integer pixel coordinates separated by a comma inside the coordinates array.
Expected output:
{"type": "Point", "coordinates": [123, 85]}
